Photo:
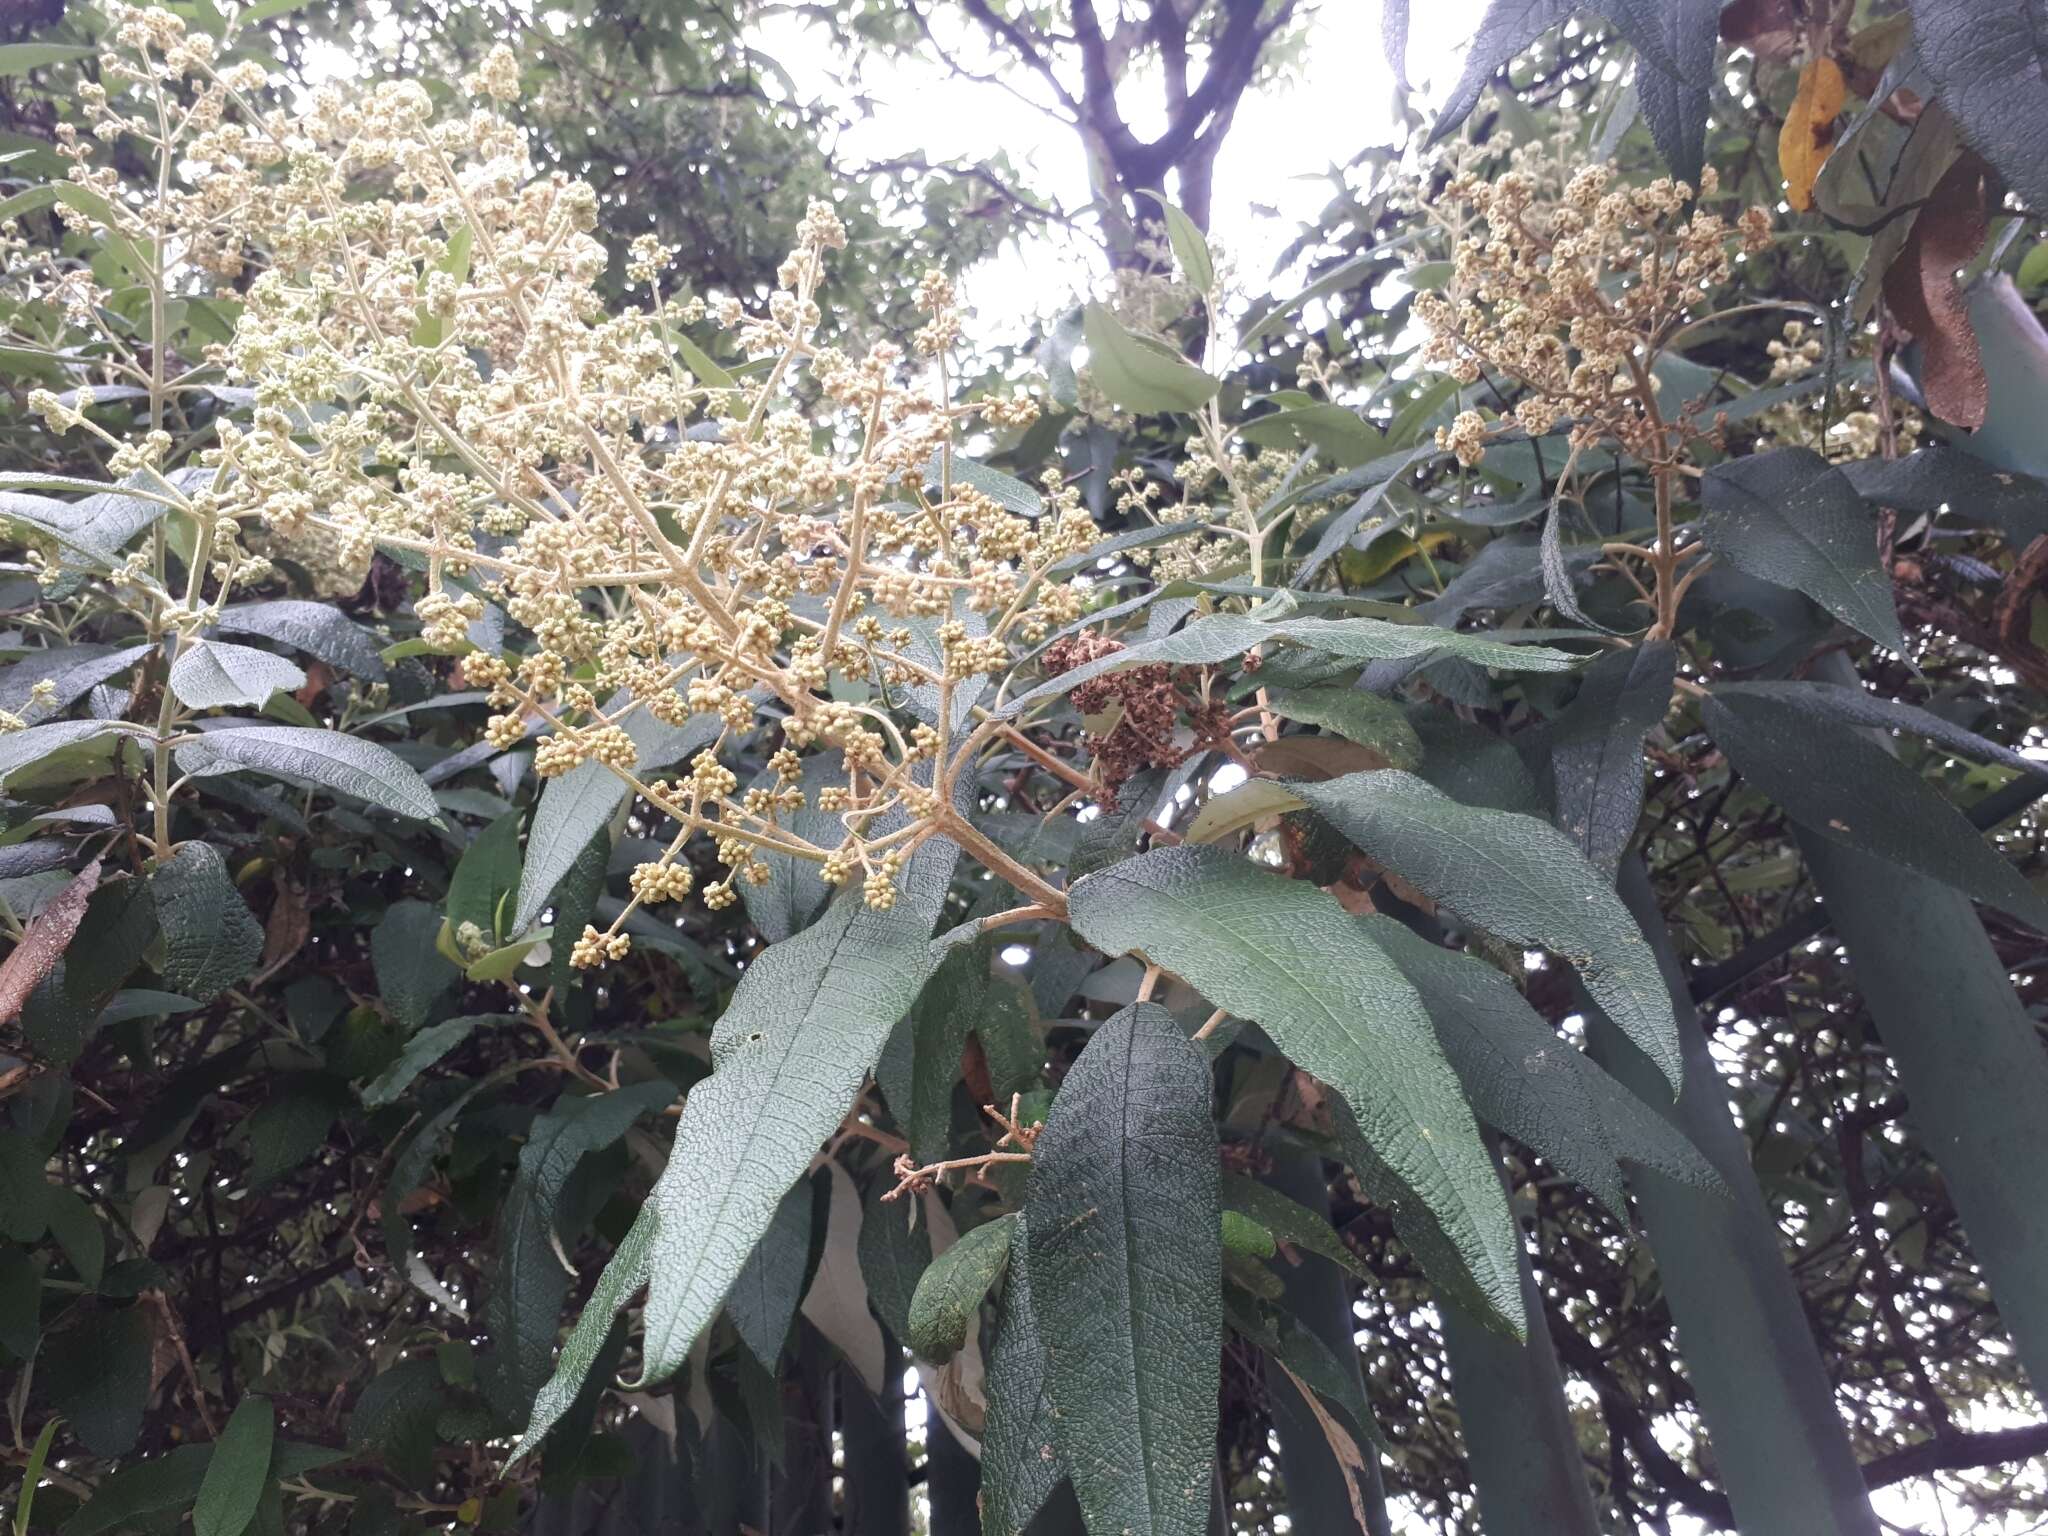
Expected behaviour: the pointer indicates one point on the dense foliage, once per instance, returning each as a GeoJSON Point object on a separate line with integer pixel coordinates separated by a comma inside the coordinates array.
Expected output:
{"type": "Point", "coordinates": [614, 843]}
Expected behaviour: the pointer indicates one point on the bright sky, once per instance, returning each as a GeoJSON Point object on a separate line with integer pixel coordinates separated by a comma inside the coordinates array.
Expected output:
{"type": "Point", "coordinates": [1271, 177]}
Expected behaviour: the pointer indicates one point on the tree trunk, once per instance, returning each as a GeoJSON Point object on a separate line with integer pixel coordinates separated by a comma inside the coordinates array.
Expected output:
{"type": "Point", "coordinates": [1781, 1451]}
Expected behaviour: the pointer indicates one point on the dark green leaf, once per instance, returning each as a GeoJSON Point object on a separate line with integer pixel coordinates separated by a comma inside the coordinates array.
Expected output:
{"type": "Point", "coordinates": [1122, 1248]}
{"type": "Point", "coordinates": [1989, 63]}
{"type": "Point", "coordinates": [79, 1233]}
{"type": "Point", "coordinates": [146, 1488]}
{"type": "Point", "coordinates": [788, 1057]}
{"type": "Point", "coordinates": [1857, 706]}
{"type": "Point", "coordinates": [238, 1472]}
{"type": "Point", "coordinates": [1285, 955]}
{"type": "Point", "coordinates": [1366, 718]}
{"type": "Point", "coordinates": [1019, 1467]}
{"type": "Point", "coordinates": [318, 629]}
{"type": "Point", "coordinates": [21, 1300]}
{"type": "Point", "coordinates": [1522, 1079]}
{"type": "Point", "coordinates": [764, 1298]}
{"type": "Point", "coordinates": [292, 1124]}
{"type": "Point", "coordinates": [1226, 636]}
{"type": "Point", "coordinates": [1139, 374]}
{"type": "Point", "coordinates": [1508, 27]}
{"type": "Point", "coordinates": [421, 1051]}
{"type": "Point", "coordinates": [528, 1283]}
{"type": "Point", "coordinates": [412, 973]}
{"type": "Point", "coordinates": [921, 1063]}
{"type": "Point", "coordinates": [1514, 876]}
{"type": "Point", "coordinates": [394, 1416]}
{"type": "Point", "coordinates": [1935, 479]}
{"type": "Point", "coordinates": [1676, 42]}
{"type": "Point", "coordinates": [1791, 517]}
{"type": "Point", "coordinates": [1287, 1220]}
{"type": "Point", "coordinates": [1836, 782]}
{"type": "Point", "coordinates": [211, 939]}
{"type": "Point", "coordinates": [948, 1298]}
{"type": "Point", "coordinates": [895, 1250]}
{"type": "Point", "coordinates": [331, 759]}
{"type": "Point", "coordinates": [1596, 748]}
{"type": "Point", "coordinates": [97, 1373]}
{"type": "Point", "coordinates": [485, 877]}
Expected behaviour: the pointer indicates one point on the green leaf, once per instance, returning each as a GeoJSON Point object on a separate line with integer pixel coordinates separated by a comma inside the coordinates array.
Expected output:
{"type": "Point", "coordinates": [1226, 636]}
{"type": "Point", "coordinates": [21, 750]}
{"type": "Point", "coordinates": [1851, 705]}
{"type": "Point", "coordinates": [1285, 955]}
{"type": "Point", "coordinates": [151, 1487]}
{"type": "Point", "coordinates": [921, 1063]}
{"type": "Point", "coordinates": [789, 1057]}
{"type": "Point", "coordinates": [97, 1373]}
{"type": "Point", "coordinates": [421, 1051]}
{"type": "Point", "coordinates": [1987, 59]}
{"type": "Point", "coordinates": [1283, 1337]}
{"type": "Point", "coordinates": [72, 672]}
{"type": "Point", "coordinates": [1373, 481]}
{"type": "Point", "coordinates": [528, 1283]}
{"type": "Point", "coordinates": [1514, 876]}
{"type": "Point", "coordinates": [1019, 1466]}
{"type": "Point", "coordinates": [1369, 719]}
{"type": "Point", "coordinates": [412, 973]}
{"type": "Point", "coordinates": [1287, 1220]}
{"type": "Point", "coordinates": [32, 1476]}
{"type": "Point", "coordinates": [1507, 28]}
{"type": "Point", "coordinates": [318, 629]}
{"type": "Point", "coordinates": [485, 878]}
{"type": "Point", "coordinates": [895, 1250]}
{"type": "Point", "coordinates": [1792, 518]}
{"type": "Point", "coordinates": [948, 1298]}
{"type": "Point", "coordinates": [331, 759]}
{"type": "Point", "coordinates": [238, 1472]}
{"type": "Point", "coordinates": [1341, 434]}
{"type": "Point", "coordinates": [214, 674]}
{"type": "Point", "coordinates": [1596, 748]}
{"type": "Point", "coordinates": [575, 806]}
{"type": "Point", "coordinates": [1190, 247]}
{"type": "Point", "coordinates": [1676, 41]}
{"type": "Point", "coordinates": [395, 1417]}
{"type": "Point", "coordinates": [1122, 1246]}
{"type": "Point", "coordinates": [79, 1233]}
{"type": "Point", "coordinates": [1935, 480]}
{"type": "Point", "coordinates": [211, 939]}
{"type": "Point", "coordinates": [21, 1300]}
{"type": "Point", "coordinates": [1004, 490]}
{"type": "Point", "coordinates": [1839, 784]}
{"type": "Point", "coordinates": [763, 1300]}
{"type": "Point", "coordinates": [20, 58]}
{"type": "Point", "coordinates": [292, 1124]}
{"type": "Point", "coordinates": [1522, 1079]}
{"type": "Point", "coordinates": [1139, 374]}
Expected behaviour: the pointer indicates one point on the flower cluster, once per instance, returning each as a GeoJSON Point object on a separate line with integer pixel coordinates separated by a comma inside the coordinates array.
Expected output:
{"type": "Point", "coordinates": [1567, 284]}
{"type": "Point", "coordinates": [618, 536]}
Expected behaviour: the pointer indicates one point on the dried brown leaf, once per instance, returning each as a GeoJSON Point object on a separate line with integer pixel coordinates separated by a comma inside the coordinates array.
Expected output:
{"type": "Point", "coordinates": [1927, 300]}
{"type": "Point", "coordinates": [44, 942]}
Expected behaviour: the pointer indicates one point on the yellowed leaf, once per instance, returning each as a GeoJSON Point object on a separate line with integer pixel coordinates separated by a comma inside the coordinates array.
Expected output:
{"type": "Point", "coordinates": [1809, 131]}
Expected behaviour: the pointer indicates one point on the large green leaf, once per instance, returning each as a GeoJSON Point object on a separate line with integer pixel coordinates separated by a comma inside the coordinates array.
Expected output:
{"type": "Point", "coordinates": [1122, 1248]}
{"type": "Point", "coordinates": [21, 1297]}
{"type": "Point", "coordinates": [575, 806]}
{"type": "Point", "coordinates": [763, 1299]}
{"type": "Point", "coordinates": [1792, 518]}
{"type": "Point", "coordinates": [1596, 748]}
{"type": "Point", "coordinates": [412, 973]}
{"type": "Point", "coordinates": [421, 1051]}
{"type": "Point", "coordinates": [22, 750]}
{"type": "Point", "coordinates": [1366, 718]}
{"type": "Point", "coordinates": [1286, 956]}
{"type": "Point", "coordinates": [1989, 63]}
{"type": "Point", "coordinates": [1676, 41]}
{"type": "Point", "coordinates": [1851, 704]}
{"type": "Point", "coordinates": [1836, 782]}
{"type": "Point", "coordinates": [97, 1373]}
{"type": "Point", "coordinates": [947, 1302]}
{"type": "Point", "coordinates": [1947, 479]}
{"type": "Point", "coordinates": [1523, 1079]}
{"type": "Point", "coordinates": [485, 878]}
{"type": "Point", "coordinates": [239, 1471]}
{"type": "Point", "coordinates": [1288, 1220]}
{"type": "Point", "coordinates": [211, 939]}
{"type": "Point", "coordinates": [1019, 1465]}
{"type": "Point", "coordinates": [1139, 374]}
{"type": "Point", "coordinates": [921, 1063]}
{"type": "Point", "coordinates": [528, 1283]}
{"type": "Point", "coordinates": [216, 674]}
{"type": "Point", "coordinates": [318, 629]}
{"type": "Point", "coordinates": [788, 1059]}
{"type": "Point", "coordinates": [895, 1250]}
{"type": "Point", "coordinates": [331, 759]}
{"type": "Point", "coordinates": [131, 1494]}
{"type": "Point", "coordinates": [1514, 876]}
{"type": "Point", "coordinates": [1505, 30]}
{"type": "Point", "coordinates": [1226, 636]}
